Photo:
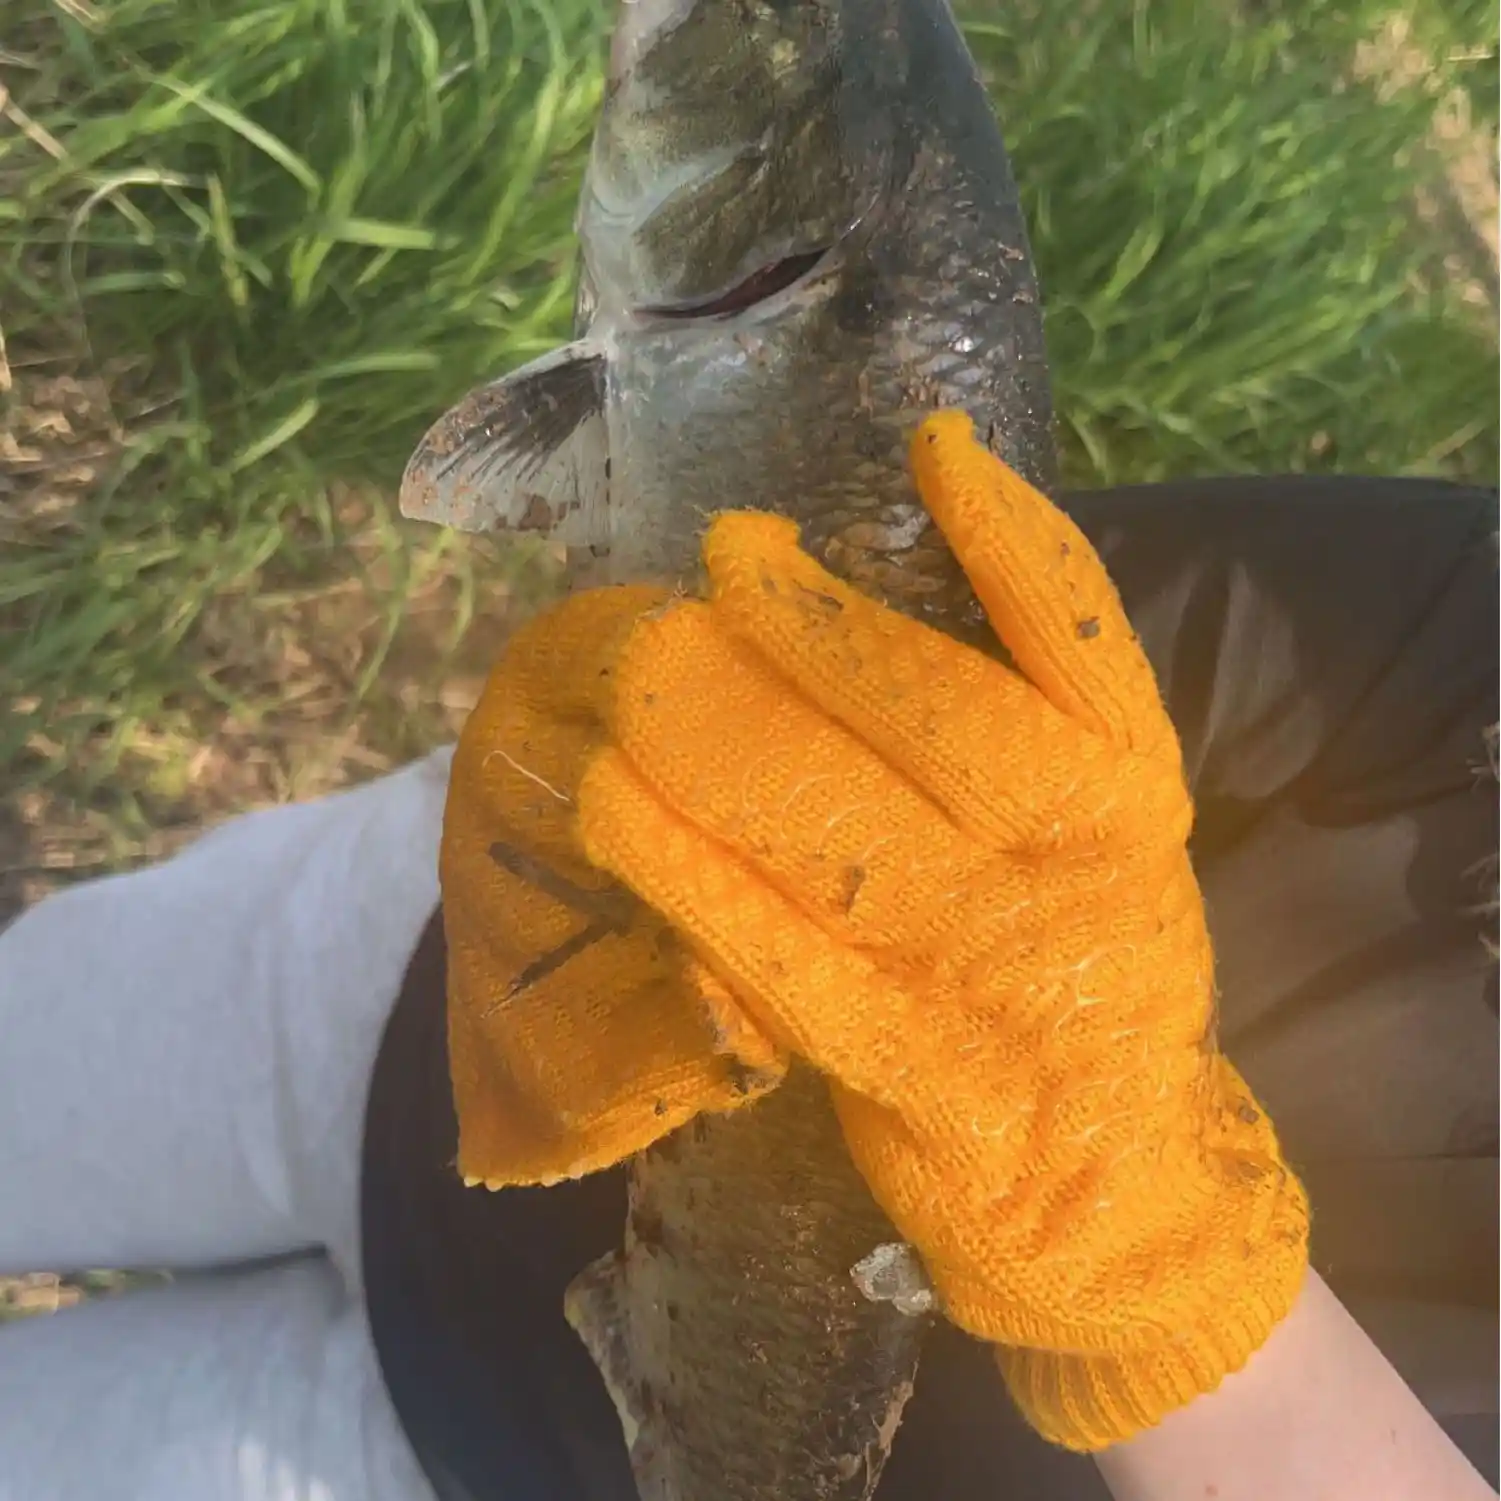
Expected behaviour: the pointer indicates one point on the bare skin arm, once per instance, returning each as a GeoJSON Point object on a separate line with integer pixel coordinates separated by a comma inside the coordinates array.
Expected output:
{"type": "Point", "coordinates": [1317, 1415]}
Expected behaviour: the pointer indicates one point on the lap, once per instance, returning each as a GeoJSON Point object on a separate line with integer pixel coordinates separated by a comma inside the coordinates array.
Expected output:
{"type": "Point", "coordinates": [252, 1386]}
{"type": "Point", "coordinates": [188, 1048]}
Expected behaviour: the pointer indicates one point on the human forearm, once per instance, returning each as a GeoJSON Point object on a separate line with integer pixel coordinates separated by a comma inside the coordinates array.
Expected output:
{"type": "Point", "coordinates": [1317, 1415]}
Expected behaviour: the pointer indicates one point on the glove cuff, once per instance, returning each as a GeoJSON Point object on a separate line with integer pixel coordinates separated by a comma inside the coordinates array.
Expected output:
{"type": "Point", "coordinates": [1090, 1402]}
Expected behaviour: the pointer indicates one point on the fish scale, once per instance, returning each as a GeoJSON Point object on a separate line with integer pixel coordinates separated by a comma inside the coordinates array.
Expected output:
{"type": "Point", "coordinates": [749, 1365]}
{"type": "Point", "coordinates": [799, 235]}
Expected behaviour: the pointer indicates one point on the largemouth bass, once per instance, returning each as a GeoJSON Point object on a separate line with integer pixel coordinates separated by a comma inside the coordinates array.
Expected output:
{"type": "Point", "coordinates": [799, 234]}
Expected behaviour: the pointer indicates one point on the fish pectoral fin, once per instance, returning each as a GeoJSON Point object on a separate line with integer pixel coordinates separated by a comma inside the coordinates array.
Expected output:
{"type": "Point", "coordinates": [528, 452]}
{"type": "Point", "coordinates": [594, 1305]}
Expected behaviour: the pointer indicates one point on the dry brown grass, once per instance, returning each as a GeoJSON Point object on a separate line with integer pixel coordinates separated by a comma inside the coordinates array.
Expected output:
{"type": "Point", "coordinates": [297, 652]}
{"type": "Point", "coordinates": [1462, 210]}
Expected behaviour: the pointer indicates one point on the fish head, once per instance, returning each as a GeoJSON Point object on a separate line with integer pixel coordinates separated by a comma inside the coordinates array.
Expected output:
{"type": "Point", "coordinates": [730, 156]}
{"type": "Point", "coordinates": [799, 234]}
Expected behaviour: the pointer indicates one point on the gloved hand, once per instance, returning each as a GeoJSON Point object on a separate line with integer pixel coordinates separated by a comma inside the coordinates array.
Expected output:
{"type": "Point", "coordinates": [961, 891]}
{"type": "Point", "coordinates": [580, 1030]}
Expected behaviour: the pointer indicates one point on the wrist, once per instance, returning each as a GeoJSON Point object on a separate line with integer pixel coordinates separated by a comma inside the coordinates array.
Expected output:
{"type": "Point", "coordinates": [1089, 1402]}
{"type": "Point", "coordinates": [1197, 1289]}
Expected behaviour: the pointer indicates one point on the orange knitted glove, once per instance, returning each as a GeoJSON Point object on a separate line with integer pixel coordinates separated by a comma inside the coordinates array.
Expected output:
{"type": "Point", "coordinates": [963, 892]}
{"type": "Point", "coordinates": [579, 1030]}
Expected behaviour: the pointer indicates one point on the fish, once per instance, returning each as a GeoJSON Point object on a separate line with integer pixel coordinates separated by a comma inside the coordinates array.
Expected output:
{"type": "Point", "coordinates": [799, 234]}
{"type": "Point", "coordinates": [756, 1353]}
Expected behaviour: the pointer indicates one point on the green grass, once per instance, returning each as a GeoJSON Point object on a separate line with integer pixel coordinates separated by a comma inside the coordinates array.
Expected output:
{"type": "Point", "coordinates": [1231, 271]}
{"type": "Point", "coordinates": [289, 232]}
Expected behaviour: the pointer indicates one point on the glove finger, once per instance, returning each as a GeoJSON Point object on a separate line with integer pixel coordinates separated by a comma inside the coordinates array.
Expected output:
{"type": "Point", "coordinates": [815, 996]}
{"type": "Point", "coordinates": [983, 744]}
{"type": "Point", "coordinates": [523, 748]}
{"type": "Point", "coordinates": [593, 1061]}
{"type": "Point", "coordinates": [579, 1031]}
{"type": "Point", "coordinates": [1043, 587]}
{"type": "Point", "coordinates": [718, 736]}
{"type": "Point", "coordinates": [562, 659]}
{"type": "Point", "coordinates": [902, 1045]}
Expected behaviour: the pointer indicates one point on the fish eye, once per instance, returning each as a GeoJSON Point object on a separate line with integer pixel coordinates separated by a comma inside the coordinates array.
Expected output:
{"type": "Point", "coordinates": [761, 285]}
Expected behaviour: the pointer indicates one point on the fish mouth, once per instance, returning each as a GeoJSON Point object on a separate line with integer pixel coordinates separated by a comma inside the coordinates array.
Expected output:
{"type": "Point", "coordinates": [764, 283]}
{"type": "Point", "coordinates": [791, 269]}
{"type": "Point", "coordinates": [610, 220]}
